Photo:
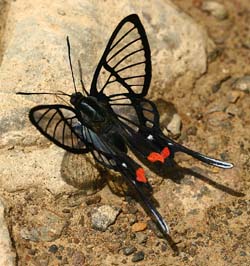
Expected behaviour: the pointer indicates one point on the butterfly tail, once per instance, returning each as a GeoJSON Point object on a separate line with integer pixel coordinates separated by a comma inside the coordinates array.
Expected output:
{"type": "Point", "coordinates": [176, 147]}
{"type": "Point", "coordinates": [131, 175]}
{"type": "Point", "coordinates": [152, 210]}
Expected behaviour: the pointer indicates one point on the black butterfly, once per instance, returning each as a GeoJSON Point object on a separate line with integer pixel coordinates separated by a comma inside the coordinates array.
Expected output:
{"type": "Point", "coordinates": [115, 115]}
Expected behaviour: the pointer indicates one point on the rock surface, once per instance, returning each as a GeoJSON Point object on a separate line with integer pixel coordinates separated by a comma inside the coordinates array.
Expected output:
{"type": "Point", "coordinates": [44, 226]}
{"type": "Point", "coordinates": [218, 10]}
{"type": "Point", "coordinates": [7, 256]}
{"type": "Point", "coordinates": [36, 49]}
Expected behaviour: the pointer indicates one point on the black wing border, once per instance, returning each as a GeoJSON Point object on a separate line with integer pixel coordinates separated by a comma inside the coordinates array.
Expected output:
{"type": "Point", "coordinates": [133, 18]}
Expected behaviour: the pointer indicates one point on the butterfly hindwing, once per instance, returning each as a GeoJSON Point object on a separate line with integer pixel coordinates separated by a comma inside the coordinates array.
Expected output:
{"type": "Point", "coordinates": [125, 66]}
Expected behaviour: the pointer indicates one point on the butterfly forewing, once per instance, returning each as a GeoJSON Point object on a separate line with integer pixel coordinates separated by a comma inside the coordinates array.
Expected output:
{"type": "Point", "coordinates": [59, 124]}
{"type": "Point", "coordinates": [125, 66]}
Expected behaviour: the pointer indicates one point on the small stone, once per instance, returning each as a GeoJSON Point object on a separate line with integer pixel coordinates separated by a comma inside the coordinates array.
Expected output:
{"type": "Point", "coordinates": [76, 240]}
{"type": "Point", "coordinates": [103, 217]}
{"type": "Point", "coordinates": [66, 210]}
{"type": "Point", "coordinates": [93, 200]}
{"type": "Point", "coordinates": [129, 250]}
{"type": "Point", "coordinates": [53, 248]}
{"type": "Point", "coordinates": [233, 96]}
{"type": "Point", "coordinates": [164, 247]}
{"type": "Point", "coordinates": [46, 226]}
{"type": "Point", "coordinates": [32, 252]}
{"type": "Point", "coordinates": [132, 209]}
{"type": "Point", "coordinates": [216, 87]}
{"type": "Point", "coordinates": [175, 125]}
{"type": "Point", "coordinates": [237, 212]}
{"type": "Point", "coordinates": [217, 107]}
{"type": "Point", "coordinates": [42, 259]}
{"type": "Point", "coordinates": [243, 253]}
{"type": "Point", "coordinates": [140, 226]}
{"type": "Point", "coordinates": [242, 84]}
{"type": "Point", "coordinates": [217, 119]}
{"type": "Point", "coordinates": [78, 259]}
{"type": "Point", "coordinates": [216, 9]}
{"type": "Point", "coordinates": [213, 227]}
{"type": "Point", "coordinates": [192, 131]}
{"type": "Point", "coordinates": [81, 221]}
{"type": "Point", "coordinates": [141, 238]}
{"type": "Point", "coordinates": [138, 256]}
{"type": "Point", "coordinates": [114, 247]}
{"type": "Point", "coordinates": [232, 110]}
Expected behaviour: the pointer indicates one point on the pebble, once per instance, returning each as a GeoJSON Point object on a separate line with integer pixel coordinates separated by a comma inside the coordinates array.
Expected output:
{"type": "Point", "coordinates": [53, 248]}
{"type": "Point", "coordinates": [78, 259]}
{"type": "Point", "coordinates": [192, 130]}
{"type": "Point", "coordinates": [141, 238]}
{"type": "Point", "coordinates": [93, 200]}
{"type": "Point", "coordinates": [140, 226]}
{"type": "Point", "coordinates": [7, 256]}
{"type": "Point", "coordinates": [217, 119]}
{"type": "Point", "coordinates": [129, 250]}
{"type": "Point", "coordinates": [175, 125]}
{"type": "Point", "coordinates": [242, 84]}
{"type": "Point", "coordinates": [164, 247]}
{"type": "Point", "coordinates": [232, 110]}
{"type": "Point", "coordinates": [42, 259]}
{"type": "Point", "coordinates": [233, 96]}
{"type": "Point", "coordinates": [102, 217]}
{"type": "Point", "coordinates": [243, 253]}
{"type": "Point", "coordinates": [32, 252]}
{"type": "Point", "coordinates": [216, 107]}
{"type": "Point", "coordinates": [132, 209]}
{"type": "Point", "coordinates": [138, 256]}
{"type": "Point", "coordinates": [216, 9]}
{"type": "Point", "coordinates": [216, 87]}
{"type": "Point", "coordinates": [46, 226]}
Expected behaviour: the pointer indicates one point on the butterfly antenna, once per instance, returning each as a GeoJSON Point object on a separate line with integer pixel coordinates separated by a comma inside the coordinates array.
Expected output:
{"type": "Point", "coordinates": [58, 97]}
{"type": "Point", "coordinates": [80, 72]}
{"type": "Point", "coordinates": [37, 93]}
{"type": "Point", "coordinates": [70, 63]}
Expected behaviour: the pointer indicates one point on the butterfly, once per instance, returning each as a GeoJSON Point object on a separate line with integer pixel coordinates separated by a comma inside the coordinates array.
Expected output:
{"type": "Point", "coordinates": [115, 115]}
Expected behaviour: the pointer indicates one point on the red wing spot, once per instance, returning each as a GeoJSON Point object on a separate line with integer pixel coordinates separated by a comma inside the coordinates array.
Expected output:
{"type": "Point", "coordinates": [140, 175]}
{"type": "Point", "coordinates": [165, 152]}
{"type": "Point", "coordinates": [155, 156]}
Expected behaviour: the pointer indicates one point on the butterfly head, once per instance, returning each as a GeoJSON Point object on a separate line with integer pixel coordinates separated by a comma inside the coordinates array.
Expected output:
{"type": "Point", "coordinates": [76, 98]}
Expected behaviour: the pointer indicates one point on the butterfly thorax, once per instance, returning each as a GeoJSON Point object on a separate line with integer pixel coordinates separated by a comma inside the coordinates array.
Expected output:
{"type": "Point", "coordinates": [90, 111]}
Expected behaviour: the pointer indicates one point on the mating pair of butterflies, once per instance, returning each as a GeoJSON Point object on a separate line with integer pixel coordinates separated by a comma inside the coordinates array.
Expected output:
{"type": "Point", "coordinates": [114, 115]}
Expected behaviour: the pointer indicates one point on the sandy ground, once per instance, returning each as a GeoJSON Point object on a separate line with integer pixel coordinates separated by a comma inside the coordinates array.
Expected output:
{"type": "Point", "coordinates": [206, 209]}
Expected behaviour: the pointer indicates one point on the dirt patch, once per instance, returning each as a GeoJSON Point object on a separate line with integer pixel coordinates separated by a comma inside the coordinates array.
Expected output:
{"type": "Point", "coordinates": [206, 210]}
